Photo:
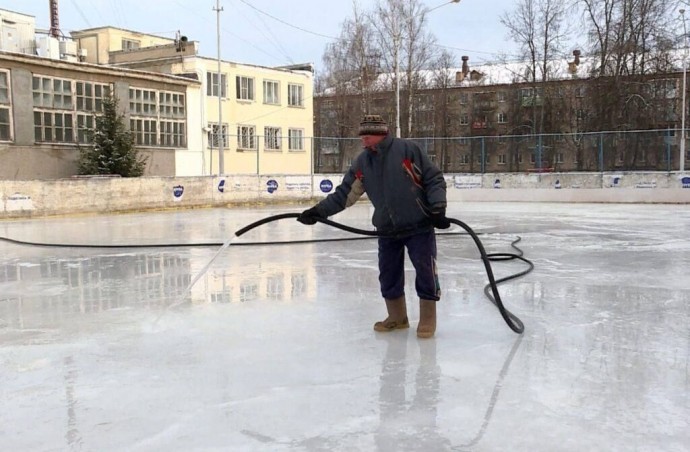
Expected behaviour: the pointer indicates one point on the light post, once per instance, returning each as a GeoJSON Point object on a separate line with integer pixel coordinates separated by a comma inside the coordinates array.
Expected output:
{"type": "Point", "coordinates": [685, 76]}
{"type": "Point", "coordinates": [221, 135]}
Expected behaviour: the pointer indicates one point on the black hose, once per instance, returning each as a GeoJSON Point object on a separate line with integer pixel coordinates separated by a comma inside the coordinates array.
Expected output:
{"type": "Point", "coordinates": [514, 323]}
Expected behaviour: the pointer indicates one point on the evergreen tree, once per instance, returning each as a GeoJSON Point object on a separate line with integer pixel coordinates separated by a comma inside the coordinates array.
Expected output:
{"type": "Point", "coordinates": [111, 148]}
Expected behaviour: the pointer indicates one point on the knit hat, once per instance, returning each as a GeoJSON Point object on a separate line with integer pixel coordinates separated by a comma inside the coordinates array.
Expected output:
{"type": "Point", "coordinates": [373, 125]}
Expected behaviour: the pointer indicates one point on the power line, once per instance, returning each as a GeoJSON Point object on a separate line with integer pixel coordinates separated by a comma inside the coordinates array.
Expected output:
{"type": "Point", "coordinates": [287, 23]}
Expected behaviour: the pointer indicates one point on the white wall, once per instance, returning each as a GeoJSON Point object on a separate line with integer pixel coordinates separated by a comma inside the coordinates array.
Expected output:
{"type": "Point", "coordinates": [107, 194]}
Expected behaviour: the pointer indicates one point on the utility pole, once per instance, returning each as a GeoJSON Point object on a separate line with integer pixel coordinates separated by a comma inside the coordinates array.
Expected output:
{"type": "Point", "coordinates": [221, 135]}
{"type": "Point", "coordinates": [681, 166]}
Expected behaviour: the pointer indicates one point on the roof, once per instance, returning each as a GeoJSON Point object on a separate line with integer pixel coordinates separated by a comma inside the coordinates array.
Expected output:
{"type": "Point", "coordinates": [97, 68]}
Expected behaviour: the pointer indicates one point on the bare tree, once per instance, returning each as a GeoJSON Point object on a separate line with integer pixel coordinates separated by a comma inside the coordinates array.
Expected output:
{"type": "Point", "coordinates": [538, 27]}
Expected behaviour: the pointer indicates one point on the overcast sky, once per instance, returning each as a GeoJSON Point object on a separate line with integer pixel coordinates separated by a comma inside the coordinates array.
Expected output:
{"type": "Point", "coordinates": [297, 32]}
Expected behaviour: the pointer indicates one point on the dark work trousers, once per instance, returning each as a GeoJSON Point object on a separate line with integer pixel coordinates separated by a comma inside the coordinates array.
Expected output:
{"type": "Point", "coordinates": [422, 251]}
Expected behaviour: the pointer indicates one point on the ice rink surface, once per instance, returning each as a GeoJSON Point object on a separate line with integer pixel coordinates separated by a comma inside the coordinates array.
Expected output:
{"type": "Point", "coordinates": [272, 349]}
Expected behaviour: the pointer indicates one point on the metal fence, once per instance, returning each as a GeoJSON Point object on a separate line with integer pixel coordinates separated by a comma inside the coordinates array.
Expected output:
{"type": "Point", "coordinates": [639, 150]}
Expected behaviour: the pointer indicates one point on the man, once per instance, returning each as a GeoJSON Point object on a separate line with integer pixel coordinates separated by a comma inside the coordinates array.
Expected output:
{"type": "Point", "coordinates": [408, 193]}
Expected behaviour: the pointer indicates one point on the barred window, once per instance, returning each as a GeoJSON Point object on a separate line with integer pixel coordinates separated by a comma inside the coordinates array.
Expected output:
{"type": "Point", "coordinates": [272, 138]}
{"type": "Point", "coordinates": [295, 95]}
{"type": "Point", "coordinates": [5, 124]}
{"type": "Point", "coordinates": [53, 127]}
{"type": "Point", "coordinates": [296, 139]}
{"type": "Point", "coordinates": [213, 138]}
{"type": "Point", "coordinates": [246, 137]}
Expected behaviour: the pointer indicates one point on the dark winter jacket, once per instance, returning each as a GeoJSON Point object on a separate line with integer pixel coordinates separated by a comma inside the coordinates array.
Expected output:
{"type": "Point", "coordinates": [401, 182]}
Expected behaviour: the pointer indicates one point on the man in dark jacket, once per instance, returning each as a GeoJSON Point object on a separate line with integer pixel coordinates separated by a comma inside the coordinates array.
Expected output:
{"type": "Point", "coordinates": [408, 193]}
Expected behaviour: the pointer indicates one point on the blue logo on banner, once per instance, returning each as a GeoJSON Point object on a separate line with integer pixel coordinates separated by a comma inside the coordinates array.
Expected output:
{"type": "Point", "coordinates": [178, 190]}
{"type": "Point", "coordinates": [326, 185]}
{"type": "Point", "coordinates": [221, 186]}
{"type": "Point", "coordinates": [272, 185]}
{"type": "Point", "coordinates": [686, 182]}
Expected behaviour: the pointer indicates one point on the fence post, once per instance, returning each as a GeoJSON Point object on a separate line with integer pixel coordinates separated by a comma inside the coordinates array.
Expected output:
{"type": "Point", "coordinates": [668, 150]}
{"type": "Point", "coordinates": [539, 152]}
{"type": "Point", "coordinates": [483, 167]}
{"type": "Point", "coordinates": [601, 152]}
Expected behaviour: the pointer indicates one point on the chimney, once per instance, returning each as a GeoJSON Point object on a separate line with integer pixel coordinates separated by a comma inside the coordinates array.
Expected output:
{"type": "Point", "coordinates": [465, 66]}
{"type": "Point", "coordinates": [572, 65]}
{"type": "Point", "coordinates": [54, 19]}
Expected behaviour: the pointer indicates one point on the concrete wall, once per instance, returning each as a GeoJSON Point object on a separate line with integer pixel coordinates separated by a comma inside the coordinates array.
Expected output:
{"type": "Point", "coordinates": [106, 194]}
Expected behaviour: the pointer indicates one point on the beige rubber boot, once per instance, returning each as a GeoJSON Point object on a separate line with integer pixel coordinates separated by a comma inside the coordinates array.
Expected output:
{"type": "Point", "coordinates": [397, 316]}
{"type": "Point", "coordinates": [427, 319]}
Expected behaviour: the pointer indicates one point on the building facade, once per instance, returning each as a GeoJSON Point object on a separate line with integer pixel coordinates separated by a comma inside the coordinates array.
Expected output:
{"type": "Point", "coordinates": [490, 119]}
{"type": "Point", "coordinates": [267, 113]}
{"type": "Point", "coordinates": [47, 105]}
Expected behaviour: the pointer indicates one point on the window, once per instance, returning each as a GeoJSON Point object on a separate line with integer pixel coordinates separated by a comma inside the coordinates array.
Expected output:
{"type": "Point", "coordinates": [272, 138]}
{"type": "Point", "coordinates": [517, 158]}
{"type": "Point", "coordinates": [173, 134]}
{"type": "Point", "coordinates": [142, 102]}
{"type": "Point", "coordinates": [5, 107]}
{"type": "Point", "coordinates": [5, 127]}
{"type": "Point", "coordinates": [464, 98]}
{"type": "Point", "coordinates": [90, 96]}
{"type": "Point", "coordinates": [145, 131]}
{"type": "Point", "coordinates": [464, 120]}
{"type": "Point", "coordinates": [171, 105]}
{"type": "Point", "coordinates": [295, 95]}
{"type": "Point", "coordinates": [580, 91]}
{"type": "Point", "coordinates": [502, 96]}
{"type": "Point", "coordinates": [52, 93]}
{"type": "Point", "coordinates": [558, 158]}
{"type": "Point", "coordinates": [212, 84]}
{"type": "Point", "coordinates": [158, 118]}
{"type": "Point", "coordinates": [271, 92]}
{"type": "Point", "coordinates": [502, 118]}
{"type": "Point", "coordinates": [296, 139]}
{"type": "Point", "coordinates": [54, 127]}
{"type": "Point", "coordinates": [501, 159]}
{"type": "Point", "coordinates": [465, 159]}
{"type": "Point", "coordinates": [246, 137]}
{"type": "Point", "coordinates": [130, 44]}
{"type": "Point", "coordinates": [245, 87]}
{"type": "Point", "coordinates": [85, 122]}
{"type": "Point", "coordinates": [479, 158]}
{"type": "Point", "coordinates": [213, 138]}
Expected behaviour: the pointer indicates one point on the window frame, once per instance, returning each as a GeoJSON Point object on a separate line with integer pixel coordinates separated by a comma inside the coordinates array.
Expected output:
{"type": "Point", "coordinates": [276, 92]}
{"type": "Point", "coordinates": [245, 93]}
{"type": "Point", "coordinates": [295, 136]}
{"type": "Point", "coordinates": [295, 101]}
{"type": "Point", "coordinates": [246, 132]}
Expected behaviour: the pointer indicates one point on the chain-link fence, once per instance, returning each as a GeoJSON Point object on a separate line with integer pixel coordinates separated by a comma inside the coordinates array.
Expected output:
{"type": "Point", "coordinates": [641, 150]}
